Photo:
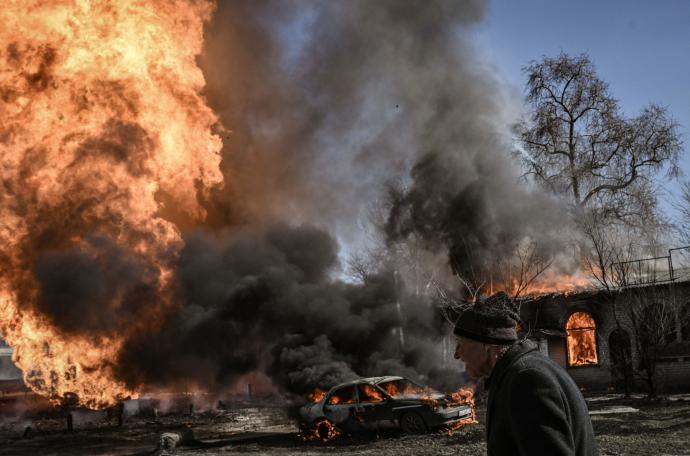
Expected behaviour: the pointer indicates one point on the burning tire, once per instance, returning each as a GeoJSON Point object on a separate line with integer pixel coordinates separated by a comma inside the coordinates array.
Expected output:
{"type": "Point", "coordinates": [412, 423]}
{"type": "Point", "coordinates": [325, 430]}
{"type": "Point", "coordinates": [322, 430]}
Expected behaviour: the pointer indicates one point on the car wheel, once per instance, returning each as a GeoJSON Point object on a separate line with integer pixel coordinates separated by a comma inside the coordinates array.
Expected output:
{"type": "Point", "coordinates": [412, 423]}
{"type": "Point", "coordinates": [325, 429]}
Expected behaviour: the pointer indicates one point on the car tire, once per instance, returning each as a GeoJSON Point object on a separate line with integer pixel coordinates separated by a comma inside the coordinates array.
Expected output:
{"type": "Point", "coordinates": [413, 423]}
{"type": "Point", "coordinates": [323, 429]}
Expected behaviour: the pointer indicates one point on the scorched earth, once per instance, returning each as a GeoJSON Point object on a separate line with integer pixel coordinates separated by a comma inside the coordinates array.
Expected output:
{"type": "Point", "coordinates": [622, 426]}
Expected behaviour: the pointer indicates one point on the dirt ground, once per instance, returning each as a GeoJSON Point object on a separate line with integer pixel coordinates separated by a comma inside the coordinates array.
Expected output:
{"type": "Point", "coordinates": [622, 426]}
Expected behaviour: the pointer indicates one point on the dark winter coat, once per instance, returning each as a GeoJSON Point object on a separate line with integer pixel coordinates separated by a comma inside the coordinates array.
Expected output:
{"type": "Point", "coordinates": [535, 408]}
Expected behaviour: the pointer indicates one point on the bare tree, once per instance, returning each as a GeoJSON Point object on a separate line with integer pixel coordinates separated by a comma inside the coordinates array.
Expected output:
{"type": "Point", "coordinates": [577, 143]}
{"type": "Point", "coordinates": [530, 263]}
{"type": "Point", "coordinates": [649, 312]}
{"type": "Point", "coordinates": [410, 256]}
{"type": "Point", "coordinates": [683, 208]}
{"type": "Point", "coordinates": [608, 248]}
{"type": "Point", "coordinates": [652, 312]}
{"type": "Point", "coordinates": [603, 250]}
{"type": "Point", "coordinates": [423, 265]}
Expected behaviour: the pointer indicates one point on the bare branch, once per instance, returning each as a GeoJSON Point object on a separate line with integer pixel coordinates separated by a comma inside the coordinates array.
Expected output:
{"type": "Point", "coordinates": [578, 143]}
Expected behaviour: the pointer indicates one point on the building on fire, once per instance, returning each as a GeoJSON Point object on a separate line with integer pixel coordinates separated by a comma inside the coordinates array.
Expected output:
{"type": "Point", "coordinates": [607, 338]}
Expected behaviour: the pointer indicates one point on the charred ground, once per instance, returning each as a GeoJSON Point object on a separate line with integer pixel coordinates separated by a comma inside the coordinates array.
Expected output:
{"type": "Point", "coordinates": [262, 427]}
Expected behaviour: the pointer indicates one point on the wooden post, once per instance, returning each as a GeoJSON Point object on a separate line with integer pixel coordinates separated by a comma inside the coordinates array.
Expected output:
{"type": "Point", "coordinates": [70, 423]}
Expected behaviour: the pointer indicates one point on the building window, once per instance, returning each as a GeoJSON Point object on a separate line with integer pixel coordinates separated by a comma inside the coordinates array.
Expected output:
{"type": "Point", "coordinates": [581, 340]}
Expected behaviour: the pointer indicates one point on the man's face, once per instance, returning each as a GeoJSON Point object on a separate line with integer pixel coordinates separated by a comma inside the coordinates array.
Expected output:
{"type": "Point", "coordinates": [475, 355]}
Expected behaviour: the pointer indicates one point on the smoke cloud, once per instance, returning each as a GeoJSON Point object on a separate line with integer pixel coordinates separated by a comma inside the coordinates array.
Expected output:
{"type": "Point", "coordinates": [327, 101]}
{"type": "Point", "coordinates": [265, 300]}
{"type": "Point", "coordinates": [324, 104]}
{"type": "Point", "coordinates": [332, 102]}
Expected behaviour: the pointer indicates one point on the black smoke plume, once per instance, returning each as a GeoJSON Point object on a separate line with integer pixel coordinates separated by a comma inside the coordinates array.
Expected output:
{"type": "Point", "coordinates": [323, 103]}
{"type": "Point", "coordinates": [265, 300]}
{"type": "Point", "coordinates": [334, 100]}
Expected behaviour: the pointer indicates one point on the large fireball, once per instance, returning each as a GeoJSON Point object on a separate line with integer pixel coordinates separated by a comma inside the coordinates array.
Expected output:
{"type": "Point", "coordinates": [101, 121]}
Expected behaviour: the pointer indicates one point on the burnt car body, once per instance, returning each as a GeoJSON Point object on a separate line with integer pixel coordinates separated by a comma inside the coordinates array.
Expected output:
{"type": "Point", "coordinates": [380, 402]}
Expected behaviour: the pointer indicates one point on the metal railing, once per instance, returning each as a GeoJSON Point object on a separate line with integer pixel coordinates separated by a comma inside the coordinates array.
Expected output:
{"type": "Point", "coordinates": [648, 271]}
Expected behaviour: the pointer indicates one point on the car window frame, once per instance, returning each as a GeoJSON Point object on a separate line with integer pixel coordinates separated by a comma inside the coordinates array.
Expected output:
{"type": "Point", "coordinates": [386, 396]}
{"type": "Point", "coordinates": [332, 393]}
{"type": "Point", "coordinates": [417, 385]}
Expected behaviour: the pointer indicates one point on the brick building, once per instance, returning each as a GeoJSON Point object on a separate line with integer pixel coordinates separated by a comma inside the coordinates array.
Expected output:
{"type": "Point", "coordinates": [595, 335]}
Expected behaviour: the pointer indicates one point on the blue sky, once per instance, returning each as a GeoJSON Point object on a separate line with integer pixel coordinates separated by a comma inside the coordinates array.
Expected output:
{"type": "Point", "coordinates": [641, 48]}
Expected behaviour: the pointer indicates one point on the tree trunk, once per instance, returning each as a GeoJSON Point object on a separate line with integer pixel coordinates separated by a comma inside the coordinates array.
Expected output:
{"type": "Point", "coordinates": [573, 170]}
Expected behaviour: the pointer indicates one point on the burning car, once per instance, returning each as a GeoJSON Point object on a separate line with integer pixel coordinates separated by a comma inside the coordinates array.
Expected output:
{"type": "Point", "coordinates": [379, 402]}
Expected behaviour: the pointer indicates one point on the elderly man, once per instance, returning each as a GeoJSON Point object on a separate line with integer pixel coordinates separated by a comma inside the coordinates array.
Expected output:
{"type": "Point", "coordinates": [534, 407]}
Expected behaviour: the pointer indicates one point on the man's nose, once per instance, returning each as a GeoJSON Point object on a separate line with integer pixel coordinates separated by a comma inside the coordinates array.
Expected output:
{"type": "Point", "coordinates": [457, 352]}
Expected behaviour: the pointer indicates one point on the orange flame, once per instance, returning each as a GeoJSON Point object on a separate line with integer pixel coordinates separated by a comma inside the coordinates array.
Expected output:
{"type": "Point", "coordinates": [463, 396]}
{"type": "Point", "coordinates": [316, 395]}
{"type": "Point", "coordinates": [395, 389]}
{"type": "Point", "coordinates": [582, 342]}
{"type": "Point", "coordinates": [335, 400]}
{"type": "Point", "coordinates": [101, 113]}
{"type": "Point", "coordinates": [370, 394]}
{"type": "Point", "coordinates": [552, 283]}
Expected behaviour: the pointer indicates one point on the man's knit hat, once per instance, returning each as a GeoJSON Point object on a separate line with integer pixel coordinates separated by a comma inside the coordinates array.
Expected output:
{"type": "Point", "coordinates": [491, 320]}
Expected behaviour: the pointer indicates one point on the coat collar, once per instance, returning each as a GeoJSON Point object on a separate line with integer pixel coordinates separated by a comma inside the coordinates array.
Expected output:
{"type": "Point", "coordinates": [515, 352]}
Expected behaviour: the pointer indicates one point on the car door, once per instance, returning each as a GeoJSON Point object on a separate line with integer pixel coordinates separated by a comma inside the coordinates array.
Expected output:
{"type": "Point", "coordinates": [340, 406]}
{"type": "Point", "coordinates": [373, 407]}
